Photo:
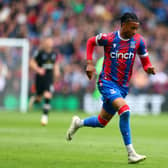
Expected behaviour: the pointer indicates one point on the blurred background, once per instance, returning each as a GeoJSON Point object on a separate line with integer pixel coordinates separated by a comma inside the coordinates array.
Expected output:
{"type": "Point", "coordinates": [71, 23]}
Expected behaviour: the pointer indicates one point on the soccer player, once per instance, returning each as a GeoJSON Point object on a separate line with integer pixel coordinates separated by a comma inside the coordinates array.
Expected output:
{"type": "Point", "coordinates": [44, 63]}
{"type": "Point", "coordinates": [120, 48]}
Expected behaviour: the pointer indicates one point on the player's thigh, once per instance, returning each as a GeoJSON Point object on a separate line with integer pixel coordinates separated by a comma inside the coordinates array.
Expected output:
{"type": "Point", "coordinates": [105, 115]}
{"type": "Point", "coordinates": [39, 87]}
{"type": "Point", "coordinates": [48, 87]}
{"type": "Point", "coordinates": [109, 108]}
{"type": "Point", "coordinates": [113, 97]}
{"type": "Point", "coordinates": [118, 103]}
{"type": "Point", "coordinates": [48, 90]}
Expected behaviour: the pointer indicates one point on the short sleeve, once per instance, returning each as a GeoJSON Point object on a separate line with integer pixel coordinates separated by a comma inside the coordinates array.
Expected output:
{"type": "Point", "coordinates": [36, 54]}
{"type": "Point", "coordinates": [102, 39]}
{"type": "Point", "coordinates": [142, 50]}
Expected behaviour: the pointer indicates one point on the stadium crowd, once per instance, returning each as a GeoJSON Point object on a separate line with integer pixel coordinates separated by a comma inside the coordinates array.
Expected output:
{"type": "Point", "coordinates": [72, 22]}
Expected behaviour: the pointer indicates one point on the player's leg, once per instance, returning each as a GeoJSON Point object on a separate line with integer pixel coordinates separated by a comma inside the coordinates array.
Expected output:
{"type": "Point", "coordinates": [47, 95]}
{"type": "Point", "coordinates": [124, 124]}
{"type": "Point", "coordinates": [46, 107]}
{"type": "Point", "coordinates": [35, 99]}
{"type": "Point", "coordinates": [38, 89]}
{"type": "Point", "coordinates": [107, 112]}
{"type": "Point", "coordinates": [99, 121]}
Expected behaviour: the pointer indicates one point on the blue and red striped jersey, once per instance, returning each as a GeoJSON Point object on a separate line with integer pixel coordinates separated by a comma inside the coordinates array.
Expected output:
{"type": "Point", "coordinates": [119, 56]}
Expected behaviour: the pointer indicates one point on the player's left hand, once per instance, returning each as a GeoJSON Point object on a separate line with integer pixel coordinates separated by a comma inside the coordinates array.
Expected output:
{"type": "Point", "coordinates": [151, 70]}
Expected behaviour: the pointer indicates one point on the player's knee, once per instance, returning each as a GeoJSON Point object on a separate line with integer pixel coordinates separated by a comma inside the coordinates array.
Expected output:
{"type": "Point", "coordinates": [47, 95]}
{"type": "Point", "coordinates": [38, 99]}
{"type": "Point", "coordinates": [103, 122]}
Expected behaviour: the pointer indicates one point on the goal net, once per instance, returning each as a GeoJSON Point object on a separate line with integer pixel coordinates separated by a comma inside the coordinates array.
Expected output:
{"type": "Point", "coordinates": [14, 60]}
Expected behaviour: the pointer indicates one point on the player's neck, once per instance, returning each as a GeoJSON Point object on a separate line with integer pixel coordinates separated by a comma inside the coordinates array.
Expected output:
{"type": "Point", "coordinates": [48, 50]}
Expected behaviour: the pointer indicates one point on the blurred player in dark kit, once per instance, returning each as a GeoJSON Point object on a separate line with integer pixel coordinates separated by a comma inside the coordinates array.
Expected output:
{"type": "Point", "coordinates": [44, 64]}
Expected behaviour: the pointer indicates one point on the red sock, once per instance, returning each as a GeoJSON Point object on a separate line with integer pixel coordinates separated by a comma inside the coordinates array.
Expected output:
{"type": "Point", "coordinates": [123, 109]}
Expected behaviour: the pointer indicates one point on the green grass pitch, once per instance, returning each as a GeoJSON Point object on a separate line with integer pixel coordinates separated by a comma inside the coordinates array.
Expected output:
{"type": "Point", "coordinates": [24, 143]}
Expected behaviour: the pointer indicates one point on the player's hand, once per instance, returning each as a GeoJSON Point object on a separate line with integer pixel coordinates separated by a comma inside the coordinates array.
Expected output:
{"type": "Point", "coordinates": [151, 70]}
{"type": "Point", "coordinates": [90, 70]}
{"type": "Point", "coordinates": [41, 71]}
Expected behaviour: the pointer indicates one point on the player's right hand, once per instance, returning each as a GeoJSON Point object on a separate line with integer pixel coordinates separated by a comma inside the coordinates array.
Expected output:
{"type": "Point", "coordinates": [90, 70]}
{"type": "Point", "coordinates": [41, 71]}
{"type": "Point", "coordinates": [151, 70]}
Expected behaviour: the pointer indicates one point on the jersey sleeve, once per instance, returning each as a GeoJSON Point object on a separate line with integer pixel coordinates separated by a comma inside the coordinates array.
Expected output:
{"type": "Point", "coordinates": [36, 54]}
{"type": "Point", "coordinates": [102, 39]}
{"type": "Point", "coordinates": [142, 50]}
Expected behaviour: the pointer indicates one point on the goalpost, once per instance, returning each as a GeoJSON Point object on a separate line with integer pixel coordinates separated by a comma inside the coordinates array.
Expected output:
{"type": "Point", "coordinates": [24, 45]}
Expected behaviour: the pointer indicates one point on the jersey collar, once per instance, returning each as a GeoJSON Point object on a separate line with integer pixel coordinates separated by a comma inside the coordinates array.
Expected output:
{"type": "Point", "coordinates": [121, 37]}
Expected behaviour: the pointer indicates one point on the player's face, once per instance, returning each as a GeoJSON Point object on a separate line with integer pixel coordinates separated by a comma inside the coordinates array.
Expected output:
{"type": "Point", "coordinates": [48, 44]}
{"type": "Point", "coordinates": [129, 29]}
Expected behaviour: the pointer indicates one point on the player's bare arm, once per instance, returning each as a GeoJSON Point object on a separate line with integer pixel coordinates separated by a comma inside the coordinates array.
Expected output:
{"type": "Point", "coordinates": [36, 68]}
{"type": "Point", "coordinates": [57, 71]}
{"type": "Point", "coordinates": [90, 69]}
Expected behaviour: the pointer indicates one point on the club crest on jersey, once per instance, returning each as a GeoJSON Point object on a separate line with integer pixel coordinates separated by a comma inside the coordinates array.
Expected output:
{"type": "Point", "coordinates": [114, 45]}
{"type": "Point", "coordinates": [132, 44]}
